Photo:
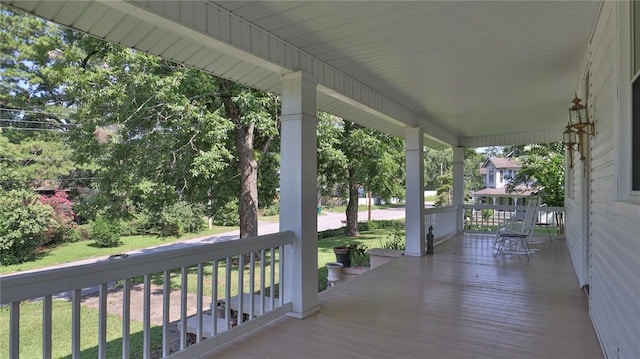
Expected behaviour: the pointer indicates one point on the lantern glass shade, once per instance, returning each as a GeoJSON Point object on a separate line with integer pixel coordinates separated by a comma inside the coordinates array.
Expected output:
{"type": "Point", "coordinates": [569, 137]}
{"type": "Point", "coordinates": [577, 113]}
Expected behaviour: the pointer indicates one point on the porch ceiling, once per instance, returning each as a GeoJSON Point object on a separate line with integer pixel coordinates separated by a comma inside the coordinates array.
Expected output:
{"type": "Point", "coordinates": [468, 72]}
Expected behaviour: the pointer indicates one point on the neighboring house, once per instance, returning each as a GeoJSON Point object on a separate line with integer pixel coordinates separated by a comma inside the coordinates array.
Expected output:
{"type": "Point", "coordinates": [497, 173]}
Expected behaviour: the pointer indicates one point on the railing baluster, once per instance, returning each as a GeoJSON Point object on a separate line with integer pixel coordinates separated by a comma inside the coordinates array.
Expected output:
{"type": "Point", "coordinates": [263, 267]}
{"type": "Point", "coordinates": [272, 277]}
{"type": "Point", "coordinates": [75, 324]}
{"type": "Point", "coordinates": [241, 289]}
{"type": "Point", "coordinates": [183, 307]}
{"type": "Point", "coordinates": [146, 320]}
{"type": "Point", "coordinates": [252, 284]}
{"type": "Point", "coordinates": [280, 276]}
{"type": "Point", "coordinates": [199, 294]}
{"type": "Point", "coordinates": [166, 310]}
{"type": "Point", "coordinates": [214, 296]}
{"type": "Point", "coordinates": [46, 326]}
{"type": "Point", "coordinates": [102, 322]}
{"type": "Point", "coordinates": [227, 294]}
{"type": "Point", "coordinates": [14, 331]}
{"type": "Point", "coordinates": [126, 317]}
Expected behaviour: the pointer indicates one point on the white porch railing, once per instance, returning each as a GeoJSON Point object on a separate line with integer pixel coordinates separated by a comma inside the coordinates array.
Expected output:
{"type": "Point", "coordinates": [488, 218]}
{"type": "Point", "coordinates": [444, 221]}
{"type": "Point", "coordinates": [263, 298]}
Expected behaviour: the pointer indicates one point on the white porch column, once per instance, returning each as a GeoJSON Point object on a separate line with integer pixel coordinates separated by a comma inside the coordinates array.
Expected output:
{"type": "Point", "coordinates": [298, 188]}
{"type": "Point", "coordinates": [414, 210]}
{"type": "Point", "coordinates": [458, 185]}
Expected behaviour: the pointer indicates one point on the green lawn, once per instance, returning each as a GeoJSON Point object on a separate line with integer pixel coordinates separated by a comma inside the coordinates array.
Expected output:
{"type": "Point", "coordinates": [31, 332]}
{"type": "Point", "coordinates": [69, 252]}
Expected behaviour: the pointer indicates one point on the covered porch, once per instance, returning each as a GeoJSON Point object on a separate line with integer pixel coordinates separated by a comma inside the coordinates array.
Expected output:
{"type": "Point", "coordinates": [438, 74]}
{"type": "Point", "coordinates": [462, 302]}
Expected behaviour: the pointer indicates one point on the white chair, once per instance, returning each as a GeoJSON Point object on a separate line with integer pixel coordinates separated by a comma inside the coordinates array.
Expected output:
{"type": "Point", "coordinates": [519, 230]}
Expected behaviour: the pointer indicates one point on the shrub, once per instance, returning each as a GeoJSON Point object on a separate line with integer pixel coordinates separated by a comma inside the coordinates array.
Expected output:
{"type": "Point", "coordinates": [486, 214]}
{"type": "Point", "coordinates": [105, 232]}
{"type": "Point", "coordinates": [272, 210]}
{"type": "Point", "coordinates": [396, 239]}
{"type": "Point", "coordinates": [226, 215]}
{"type": "Point", "coordinates": [79, 233]}
{"type": "Point", "coordinates": [63, 215]}
{"type": "Point", "coordinates": [179, 218]}
{"type": "Point", "coordinates": [23, 219]}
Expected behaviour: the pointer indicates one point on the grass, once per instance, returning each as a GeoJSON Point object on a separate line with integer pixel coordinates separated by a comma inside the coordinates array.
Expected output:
{"type": "Point", "coordinates": [74, 251]}
{"type": "Point", "coordinates": [31, 329]}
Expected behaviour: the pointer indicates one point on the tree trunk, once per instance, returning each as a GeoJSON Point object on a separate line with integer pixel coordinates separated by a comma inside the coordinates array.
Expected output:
{"type": "Point", "coordinates": [243, 138]}
{"type": "Point", "coordinates": [352, 206]}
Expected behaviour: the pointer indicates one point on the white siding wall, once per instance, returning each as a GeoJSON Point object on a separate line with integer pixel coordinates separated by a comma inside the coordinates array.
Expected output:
{"type": "Point", "coordinates": [614, 227]}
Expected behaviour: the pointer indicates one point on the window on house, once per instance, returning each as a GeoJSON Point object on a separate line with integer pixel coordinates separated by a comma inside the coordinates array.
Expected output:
{"type": "Point", "coordinates": [501, 175]}
{"type": "Point", "coordinates": [491, 176]}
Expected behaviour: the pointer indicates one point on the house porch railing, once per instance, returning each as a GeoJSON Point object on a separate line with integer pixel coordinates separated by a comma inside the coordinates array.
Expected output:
{"type": "Point", "coordinates": [444, 221]}
{"type": "Point", "coordinates": [218, 283]}
{"type": "Point", "coordinates": [488, 218]}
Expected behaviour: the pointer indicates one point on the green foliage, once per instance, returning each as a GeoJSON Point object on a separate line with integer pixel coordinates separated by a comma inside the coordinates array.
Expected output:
{"type": "Point", "coordinates": [352, 158]}
{"type": "Point", "coordinates": [487, 213]}
{"type": "Point", "coordinates": [79, 233]}
{"type": "Point", "coordinates": [226, 215]}
{"type": "Point", "coordinates": [543, 171]}
{"type": "Point", "coordinates": [106, 233]}
{"type": "Point", "coordinates": [396, 240]}
{"type": "Point", "coordinates": [179, 218]}
{"type": "Point", "coordinates": [23, 219]}
{"type": "Point", "coordinates": [358, 253]}
{"type": "Point", "coordinates": [63, 217]}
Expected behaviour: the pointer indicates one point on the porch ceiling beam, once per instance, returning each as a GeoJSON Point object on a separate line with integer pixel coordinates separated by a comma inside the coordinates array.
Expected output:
{"type": "Point", "coordinates": [516, 138]}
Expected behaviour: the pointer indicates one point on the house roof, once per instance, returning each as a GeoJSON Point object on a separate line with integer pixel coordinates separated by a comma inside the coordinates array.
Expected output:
{"type": "Point", "coordinates": [500, 162]}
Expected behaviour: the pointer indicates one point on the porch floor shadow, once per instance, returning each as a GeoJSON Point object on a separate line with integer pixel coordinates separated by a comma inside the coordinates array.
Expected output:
{"type": "Point", "coordinates": [462, 302]}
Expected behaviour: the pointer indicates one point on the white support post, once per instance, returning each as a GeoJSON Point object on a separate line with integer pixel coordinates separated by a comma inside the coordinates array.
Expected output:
{"type": "Point", "coordinates": [414, 208]}
{"type": "Point", "coordinates": [298, 191]}
{"type": "Point", "coordinates": [458, 185]}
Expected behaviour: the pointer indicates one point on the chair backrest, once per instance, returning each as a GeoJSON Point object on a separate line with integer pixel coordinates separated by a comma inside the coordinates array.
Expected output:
{"type": "Point", "coordinates": [529, 220]}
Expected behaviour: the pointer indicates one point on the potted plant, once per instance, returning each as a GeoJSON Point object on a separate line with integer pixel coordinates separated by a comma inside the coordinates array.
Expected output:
{"type": "Point", "coordinates": [343, 255]}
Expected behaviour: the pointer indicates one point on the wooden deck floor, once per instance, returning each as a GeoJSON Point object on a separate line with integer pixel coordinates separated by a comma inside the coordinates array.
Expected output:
{"type": "Point", "coordinates": [463, 302]}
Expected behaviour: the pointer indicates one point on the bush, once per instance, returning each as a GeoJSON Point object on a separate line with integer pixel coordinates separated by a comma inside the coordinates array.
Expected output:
{"type": "Point", "coordinates": [396, 239]}
{"type": "Point", "coordinates": [23, 220]}
{"type": "Point", "coordinates": [105, 233]}
{"type": "Point", "coordinates": [486, 214]}
{"type": "Point", "coordinates": [179, 218]}
{"type": "Point", "coordinates": [63, 215]}
{"type": "Point", "coordinates": [272, 210]}
{"type": "Point", "coordinates": [227, 215]}
{"type": "Point", "coordinates": [79, 233]}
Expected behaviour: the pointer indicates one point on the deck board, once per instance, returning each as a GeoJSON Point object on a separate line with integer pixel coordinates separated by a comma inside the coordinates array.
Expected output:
{"type": "Point", "coordinates": [462, 302]}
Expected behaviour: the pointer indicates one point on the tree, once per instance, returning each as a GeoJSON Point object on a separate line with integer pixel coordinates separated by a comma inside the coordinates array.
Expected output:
{"type": "Point", "coordinates": [150, 132]}
{"type": "Point", "coordinates": [542, 171]}
{"type": "Point", "coordinates": [352, 157]}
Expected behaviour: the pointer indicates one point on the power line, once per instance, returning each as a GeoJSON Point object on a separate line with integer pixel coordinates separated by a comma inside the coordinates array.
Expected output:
{"type": "Point", "coordinates": [60, 130]}
{"type": "Point", "coordinates": [41, 122]}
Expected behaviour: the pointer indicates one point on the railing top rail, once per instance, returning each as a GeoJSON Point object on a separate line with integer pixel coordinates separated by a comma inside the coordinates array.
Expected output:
{"type": "Point", "coordinates": [23, 286]}
{"type": "Point", "coordinates": [431, 210]}
{"type": "Point", "coordinates": [512, 208]}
